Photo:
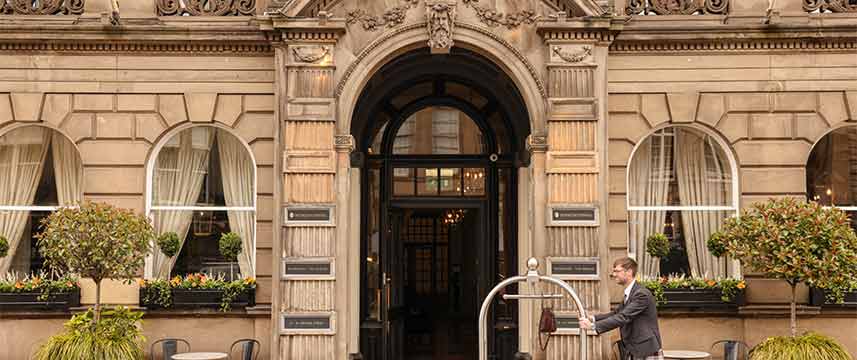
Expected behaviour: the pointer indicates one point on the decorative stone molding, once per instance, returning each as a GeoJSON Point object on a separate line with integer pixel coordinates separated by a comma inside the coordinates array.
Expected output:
{"type": "Point", "coordinates": [42, 7]}
{"type": "Point", "coordinates": [391, 17]}
{"type": "Point", "coordinates": [310, 54]}
{"type": "Point", "coordinates": [493, 18]}
{"type": "Point", "coordinates": [206, 8]}
{"type": "Point", "coordinates": [537, 143]}
{"type": "Point", "coordinates": [573, 58]}
{"type": "Point", "coordinates": [830, 5]}
{"type": "Point", "coordinates": [677, 7]}
{"type": "Point", "coordinates": [440, 17]}
{"type": "Point", "coordinates": [343, 143]}
{"type": "Point", "coordinates": [244, 49]}
{"type": "Point", "coordinates": [721, 45]}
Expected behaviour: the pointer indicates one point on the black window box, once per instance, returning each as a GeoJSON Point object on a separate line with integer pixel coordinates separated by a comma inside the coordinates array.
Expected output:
{"type": "Point", "coordinates": [60, 301]}
{"type": "Point", "coordinates": [818, 297]}
{"type": "Point", "coordinates": [701, 298]}
{"type": "Point", "coordinates": [201, 298]}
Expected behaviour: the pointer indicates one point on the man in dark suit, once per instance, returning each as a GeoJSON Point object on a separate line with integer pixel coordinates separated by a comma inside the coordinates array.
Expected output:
{"type": "Point", "coordinates": [636, 317]}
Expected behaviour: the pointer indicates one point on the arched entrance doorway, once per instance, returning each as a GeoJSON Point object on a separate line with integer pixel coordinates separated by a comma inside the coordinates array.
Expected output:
{"type": "Point", "coordinates": [439, 140]}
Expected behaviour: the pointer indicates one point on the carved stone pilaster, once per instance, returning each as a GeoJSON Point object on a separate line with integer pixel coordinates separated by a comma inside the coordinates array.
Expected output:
{"type": "Point", "coordinates": [440, 18]}
{"type": "Point", "coordinates": [537, 143]}
{"type": "Point", "coordinates": [343, 143]}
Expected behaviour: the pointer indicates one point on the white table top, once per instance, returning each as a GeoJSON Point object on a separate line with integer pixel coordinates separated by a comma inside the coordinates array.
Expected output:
{"type": "Point", "coordinates": [200, 356]}
{"type": "Point", "coordinates": [685, 354]}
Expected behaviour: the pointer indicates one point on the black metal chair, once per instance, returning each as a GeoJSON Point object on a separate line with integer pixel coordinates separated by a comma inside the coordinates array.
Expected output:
{"type": "Point", "coordinates": [250, 349]}
{"type": "Point", "coordinates": [169, 347]}
{"type": "Point", "coordinates": [732, 350]}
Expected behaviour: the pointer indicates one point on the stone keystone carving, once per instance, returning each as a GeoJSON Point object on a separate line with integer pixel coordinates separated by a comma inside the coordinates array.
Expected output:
{"type": "Point", "coordinates": [440, 23]}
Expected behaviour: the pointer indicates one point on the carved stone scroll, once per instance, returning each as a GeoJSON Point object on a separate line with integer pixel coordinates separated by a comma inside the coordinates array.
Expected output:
{"type": "Point", "coordinates": [677, 7]}
{"type": "Point", "coordinates": [440, 19]}
{"type": "Point", "coordinates": [206, 7]}
{"type": "Point", "coordinates": [391, 17]}
{"type": "Point", "coordinates": [830, 5]}
{"type": "Point", "coordinates": [494, 18]}
{"type": "Point", "coordinates": [43, 7]}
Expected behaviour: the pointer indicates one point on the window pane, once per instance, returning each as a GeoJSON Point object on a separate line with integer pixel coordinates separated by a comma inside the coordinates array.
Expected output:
{"type": "Point", "coordinates": [680, 167]}
{"type": "Point", "coordinates": [474, 182]}
{"type": "Point", "coordinates": [373, 247]}
{"type": "Point", "coordinates": [438, 130]}
{"type": "Point", "coordinates": [200, 252]}
{"type": "Point", "coordinates": [26, 258]}
{"type": "Point", "coordinates": [450, 182]}
{"type": "Point", "coordinates": [830, 169]}
{"type": "Point", "coordinates": [403, 182]}
{"type": "Point", "coordinates": [427, 182]}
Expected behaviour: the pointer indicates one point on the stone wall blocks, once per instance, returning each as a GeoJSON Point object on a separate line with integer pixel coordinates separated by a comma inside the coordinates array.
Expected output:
{"type": "Point", "coordinates": [309, 162]}
{"type": "Point", "coordinates": [735, 126]}
{"type": "Point", "coordinates": [629, 126]}
{"type": "Point", "coordinates": [572, 162]}
{"type": "Point", "coordinates": [200, 106]}
{"type": "Point", "coordinates": [55, 109]}
{"type": "Point", "coordinates": [264, 208]}
{"type": "Point", "coordinates": [771, 125]}
{"type": "Point", "coordinates": [623, 103]}
{"type": "Point", "coordinates": [229, 108]}
{"type": "Point", "coordinates": [683, 106]}
{"type": "Point", "coordinates": [137, 102]}
{"type": "Point", "coordinates": [27, 106]}
{"type": "Point", "coordinates": [149, 127]}
{"type": "Point", "coordinates": [617, 208]}
{"type": "Point", "coordinates": [259, 103]}
{"type": "Point", "coordinates": [795, 102]}
{"type": "Point", "coordinates": [113, 152]}
{"type": "Point", "coordinates": [620, 152]}
{"type": "Point", "coordinates": [616, 178]}
{"type": "Point", "coordinates": [172, 109]}
{"type": "Point", "coordinates": [711, 109]}
{"type": "Point", "coordinates": [759, 102]}
{"type": "Point", "coordinates": [617, 234]}
{"type": "Point", "coordinates": [654, 109]}
{"type": "Point", "coordinates": [263, 152]}
{"type": "Point", "coordinates": [810, 127]}
{"type": "Point", "coordinates": [79, 126]}
{"type": "Point", "coordinates": [311, 109]}
{"type": "Point", "coordinates": [94, 102]}
{"type": "Point", "coordinates": [776, 180]}
{"type": "Point", "coordinates": [6, 114]}
{"type": "Point", "coordinates": [114, 125]}
{"type": "Point", "coordinates": [254, 126]}
{"type": "Point", "coordinates": [773, 152]}
{"type": "Point", "coordinates": [573, 109]}
{"type": "Point", "coordinates": [851, 97]}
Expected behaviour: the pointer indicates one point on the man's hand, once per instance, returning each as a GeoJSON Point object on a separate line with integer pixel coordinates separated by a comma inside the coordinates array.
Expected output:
{"type": "Point", "coordinates": [586, 324]}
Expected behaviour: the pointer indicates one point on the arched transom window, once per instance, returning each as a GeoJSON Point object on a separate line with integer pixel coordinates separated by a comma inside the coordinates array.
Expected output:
{"type": "Point", "coordinates": [831, 171]}
{"type": "Point", "coordinates": [40, 170]}
{"type": "Point", "coordinates": [203, 185]}
{"type": "Point", "coordinates": [681, 183]}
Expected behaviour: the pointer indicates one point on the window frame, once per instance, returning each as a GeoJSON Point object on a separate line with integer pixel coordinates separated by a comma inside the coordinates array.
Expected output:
{"type": "Point", "coordinates": [150, 172]}
{"type": "Point", "coordinates": [733, 163]}
{"type": "Point", "coordinates": [849, 208]}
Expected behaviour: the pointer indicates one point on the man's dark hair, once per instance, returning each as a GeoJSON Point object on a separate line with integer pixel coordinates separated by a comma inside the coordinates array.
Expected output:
{"type": "Point", "coordinates": [627, 264]}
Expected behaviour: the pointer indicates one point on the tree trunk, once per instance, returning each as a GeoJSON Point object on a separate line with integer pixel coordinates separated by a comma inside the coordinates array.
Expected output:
{"type": "Point", "coordinates": [793, 310]}
{"type": "Point", "coordinates": [97, 300]}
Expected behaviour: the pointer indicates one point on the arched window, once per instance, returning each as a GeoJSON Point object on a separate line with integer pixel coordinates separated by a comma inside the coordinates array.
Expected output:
{"type": "Point", "coordinates": [830, 170]}
{"type": "Point", "coordinates": [681, 183]}
{"type": "Point", "coordinates": [204, 185]}
{"type": "Point", "coordinates": [40, 170]}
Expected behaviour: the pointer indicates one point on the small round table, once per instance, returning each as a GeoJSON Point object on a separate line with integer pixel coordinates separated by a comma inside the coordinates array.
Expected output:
{"type": "Point", "coordinates": [200, 356]}
{"type": "Point", "coordinates": [685, 354]}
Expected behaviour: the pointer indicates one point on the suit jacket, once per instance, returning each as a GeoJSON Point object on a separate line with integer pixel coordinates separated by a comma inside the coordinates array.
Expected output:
{"type": "Point", "coordinates": [637, 320]}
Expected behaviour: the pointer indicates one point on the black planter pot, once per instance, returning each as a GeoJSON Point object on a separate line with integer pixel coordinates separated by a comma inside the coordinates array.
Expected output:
{"type": "Point", "coordinates": [818, 297]}
{"type": "Point", "coordinates": [202, 298]}
{"type": "Point", "coordinates": [701, 298]}
{"type": "Point", "coordinates": [30, 301]}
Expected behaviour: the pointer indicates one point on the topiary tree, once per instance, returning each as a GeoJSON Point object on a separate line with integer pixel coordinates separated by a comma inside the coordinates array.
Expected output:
{"type": "Point", "coordinates": [97, 241]}
{"type": "Point", "coordinates": [230, 245]}
{"type": "Point", "coordinates": [168, 242]}
{"type": "Point", "coordinates": [796, 241]}
{"type": "Point", "coordinates": [657, 245]}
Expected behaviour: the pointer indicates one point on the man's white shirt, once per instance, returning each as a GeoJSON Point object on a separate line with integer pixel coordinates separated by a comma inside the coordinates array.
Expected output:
{"type": "Point", "coordinates": [628, 290]}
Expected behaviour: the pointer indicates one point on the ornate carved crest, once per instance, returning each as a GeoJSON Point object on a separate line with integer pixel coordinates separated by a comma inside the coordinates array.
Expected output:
{"type": "Point", "coordinates": [830, 5]}
{"type": "Point", "coordinates": [677, 7]}
{"type": "Point", "coordinates": [573, 57]}
{"type": "Point", "coordinates": [310, 54]}
{"type": "Point", "coordinates": [205, 7]}
{"type": "Point", "coordinates": [390, 18]}
{"type": "Point", "coordinates": [440, 22]}
{"type": "Point", "coordinates": [493, 18]}
{"type": "Point", "coordinates": [42, 7]}
{"type": "Point", "coordinates": [343, 142]}
{"type": "Point", "coordinates": [537, 143]}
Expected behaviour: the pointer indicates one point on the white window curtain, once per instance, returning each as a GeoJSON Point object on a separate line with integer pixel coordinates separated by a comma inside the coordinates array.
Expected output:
{"type": "Point", "coordinates": [238, 175]}
{"type": "Point", "coordinates": [649, 186]}
{"type": "Point", "coordinates": [180, 169]}
{"type": "Point", "coordinates": [702, 183]}
{"type": "Point", "coordinates": [68, 171]}
{"type": "Point", "coordinates": [21, 161]}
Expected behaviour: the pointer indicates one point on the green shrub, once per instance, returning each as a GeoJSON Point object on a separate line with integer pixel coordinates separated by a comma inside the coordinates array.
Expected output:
{"type": "Point", "coordinates": [230, 245]}
{"type": "Point", "coordinates": [115, 337]}
{"type": "Point", "coordinates": [4, 246]}
{"type": "Point", "coordinates": [657, 245]}
{"type": "Point", "coordinates": [716, 245]}
{"type": "Point", "coordinates": [810, 346]}
{"type": "Point", "coordinates": [169, 243]}
{"type": "Point", "coordinates": [159, 291]}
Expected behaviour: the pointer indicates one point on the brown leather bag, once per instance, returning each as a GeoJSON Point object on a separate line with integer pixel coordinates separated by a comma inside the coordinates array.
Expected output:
{"type": "Point", "coordinates": [547, 325]}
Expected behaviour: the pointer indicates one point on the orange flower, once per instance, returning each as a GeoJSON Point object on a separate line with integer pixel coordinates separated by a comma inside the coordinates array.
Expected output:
{"type": "Point", "coordinates": [36, 280]}
{"type": "Point", "coordinates": [141, 282]}
{"type": "Point", "coordinates": [712, 283]}
{"type": "Point", "coordinates": [70, 284]}
{"type": "Point", "coordinates": [741, 285]}
{"type": "Point", "coordinates": [19, 285]}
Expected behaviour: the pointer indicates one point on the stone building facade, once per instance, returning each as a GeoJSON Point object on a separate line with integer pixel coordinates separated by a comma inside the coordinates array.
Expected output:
{"type": "Point", "coordinates": [326, 97]}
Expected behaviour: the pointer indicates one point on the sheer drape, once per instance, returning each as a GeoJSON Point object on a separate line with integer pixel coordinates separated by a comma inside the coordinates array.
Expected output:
{"type": "Point", "coordinates": [22, 158]}
{"type": "Point", "coordinates": [649, 186]}
{"type": "Point", "coordinates": [179, 171]}
{"type": "Point", "coordinates": [237, 172]}
{"type": "Point", "coordinates": [702, 181]}
{"type": "Point", "coordinates": [68, 171]}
